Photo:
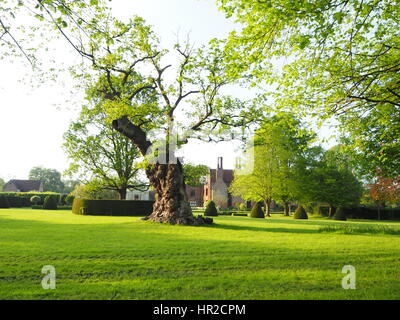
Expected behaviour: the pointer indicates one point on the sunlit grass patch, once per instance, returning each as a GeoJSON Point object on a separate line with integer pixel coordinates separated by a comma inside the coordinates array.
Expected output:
{"type": "Point", "coordinates": [351, 229]}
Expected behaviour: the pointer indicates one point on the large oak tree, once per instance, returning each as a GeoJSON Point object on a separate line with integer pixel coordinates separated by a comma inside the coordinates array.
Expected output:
{"type": "Point", "coordinates": [127, 66]}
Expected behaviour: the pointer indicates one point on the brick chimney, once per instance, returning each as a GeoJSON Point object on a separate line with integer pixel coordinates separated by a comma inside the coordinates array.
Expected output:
{"type": "Point", "coordinates": [220, 169]}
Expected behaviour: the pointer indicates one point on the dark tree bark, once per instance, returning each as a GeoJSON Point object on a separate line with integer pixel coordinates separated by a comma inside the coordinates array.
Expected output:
{"type": "Point", "coordinates": [287, 209]}
{"type": "Point", "coordinates": [122, 194]}
{"type": "Point", "coordinates": [171, 205]}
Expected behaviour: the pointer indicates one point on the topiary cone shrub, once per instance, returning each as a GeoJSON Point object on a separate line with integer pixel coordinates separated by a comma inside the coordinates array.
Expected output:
{"type": "Point", "coordinates": [300, 213]}
{"type": "Point", "coordinates": [50, 203]}
{"type": "Point", "coordinates": [211, 209]}
{"type": "Point", "coordinates": [257, 211]}
{"type": "Point", "coordinates": [339, 215]}
{"type": "Point", "coordinates": [4, 204]}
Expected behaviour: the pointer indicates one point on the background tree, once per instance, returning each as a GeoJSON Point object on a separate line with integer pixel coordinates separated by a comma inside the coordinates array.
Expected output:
{"type": "Point", "coordinates": [97, 152]}
{"type": "Point", "coordinates": [383, 191]}
{"type": "Point", "coordinates": [51, 179]}
{"type": "Point", "coordinates": [70, 185]}
{"type": "Point", "coordinates": [93, 190]}
{"type": "Point", "coordinates": [333, 183]}
{"type": "Point", "coordinates": [195, 174]}
{"type": "Point", "coordinates": [278, 145]}
{"type": "Point", "coordinates": [128, 63]}
{"type": "Point", "coordinates": [2, 183]}
{"type": "Point", "coordinates": [343, 61]}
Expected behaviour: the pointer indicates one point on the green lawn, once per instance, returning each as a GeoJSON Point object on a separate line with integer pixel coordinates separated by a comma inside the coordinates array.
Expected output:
{"type": "Point", "coordinates": [237, 258]}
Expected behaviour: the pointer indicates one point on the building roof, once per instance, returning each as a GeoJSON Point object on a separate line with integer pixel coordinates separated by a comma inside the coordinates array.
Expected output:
{"type": "Point", "coordinates": [27, 185]}
{"type": "Point", "coordinates": [227, 176]}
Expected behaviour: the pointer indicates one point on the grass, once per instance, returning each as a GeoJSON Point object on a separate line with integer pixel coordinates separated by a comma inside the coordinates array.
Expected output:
{"type": "Point", "coordinates": [236, 258]}
{"type": "Point", "coordinates": [349, 229]}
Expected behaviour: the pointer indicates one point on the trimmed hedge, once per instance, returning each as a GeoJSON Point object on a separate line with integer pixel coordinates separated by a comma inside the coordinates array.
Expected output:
{"type": "Point", "coordinates": [300, 213]}
{"type": "Point", "coordinates": [257, 211]}
{"type": "Point", "coordinates": [122, 208]}
{"type": "Point", "coordinates": [211, 209]}
{"type": "Point", "coordinates": [4, 204]}
{"type": "Point", "coordinates": [23, 199]}
{"type": "Point", "coordinates": [372, 213]}
{"type": "Point", "coordinates": [50, 203]}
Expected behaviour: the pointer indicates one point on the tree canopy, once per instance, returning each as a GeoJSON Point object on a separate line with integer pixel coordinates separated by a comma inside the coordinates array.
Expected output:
{"type": "Point", "coordinates": [339, 58]}
{"type": "Point", "coordinates": [51, 179]}
{"type": "Point", "coordinates": [97, 152]}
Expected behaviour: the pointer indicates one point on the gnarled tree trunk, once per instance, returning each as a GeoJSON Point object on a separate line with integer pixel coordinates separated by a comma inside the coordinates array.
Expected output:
{"type": "Point", "coordinates": [171, 205]}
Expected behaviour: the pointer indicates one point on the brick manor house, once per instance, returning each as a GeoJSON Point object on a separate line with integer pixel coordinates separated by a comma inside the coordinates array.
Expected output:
{"type": "Point", "coordinates": [215, 188]}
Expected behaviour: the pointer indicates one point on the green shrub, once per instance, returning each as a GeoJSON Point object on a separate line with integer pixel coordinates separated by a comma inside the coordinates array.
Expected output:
{"type": "Point", "coordinates": [211, 209]}
{"type": "Point", "coordinates": [23, 199]}
{"type": "Point", "coordinates": [4, 204]}
{"type": "Point", "coordinates": [62, 200]}
{"type": "Point", "coordinates": [112, 207]}
{"type": "Point", "coordinates": [300, 213]}
{"type": "Point", "coordinates": [50, 203]}
{"type": "Point", "coordinates": [339, 214]}
{"type": "Point", "coordinates": [257, 211]}
{"type": "Point", "coordinates": [323, 211]}
{"type": "Point", "coordinates": [69, 199]}
{"type": "Point", "coordinates": [37, 207]}
{"type": "Point", "coordinates": [35, 200]}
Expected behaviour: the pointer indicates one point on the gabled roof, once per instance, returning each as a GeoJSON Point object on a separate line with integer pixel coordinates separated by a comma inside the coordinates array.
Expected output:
{"type": "Point", "coordinates": [27, 185]}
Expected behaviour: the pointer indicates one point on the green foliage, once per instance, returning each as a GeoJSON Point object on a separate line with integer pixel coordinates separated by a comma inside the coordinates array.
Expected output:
{"type": "Point", "coordinates": [51, 179]}
{"type": "Point", "coordinates": [195, 174]}
{"type": "Point", "coordinates": [344, 62]}
{"type": "Point", "coordinates": [22, 199]}
{"type": "Point", "coordinates": [4, 202]}
{"type": "Point", "coordinates": [69, 199]}
{"type": "Point", "coordinates": [211, 209]}
{"type": "Point", "coordinates": [112, 207]}
{"type": "Point", "coordinates": [327, 177]}
{"type": "Point", "coordinates": [99, 153]}
{"type": "Point", "coordinates": [300, 213]}
{"type": "Point", "coordinates": [257, 211]}
{"type": "Point", "coordinates": [270, 171]}
{"type": "Point", "coordinates": [94, 191]}
{"type": "Point", "coordinates": [339, 214]}
{"type": "Point", "coordinates": [2, 183]}
{"type": "Point", "coordinates": [50, 203]}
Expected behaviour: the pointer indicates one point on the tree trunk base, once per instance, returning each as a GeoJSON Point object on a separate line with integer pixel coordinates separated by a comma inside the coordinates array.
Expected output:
{"type": "Point", "coordinates": [172, 205]}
